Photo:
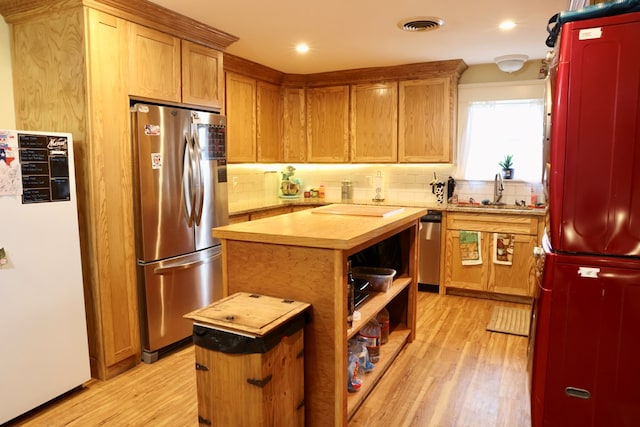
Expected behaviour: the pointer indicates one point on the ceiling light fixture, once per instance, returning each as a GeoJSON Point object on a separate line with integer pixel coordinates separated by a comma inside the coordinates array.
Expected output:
{"type": "Point", "coordinates": [507, 25]}
{"type": "Point", "coordinates": [302, 48]}
{"type": "Point", "coordinates": [510, 63]}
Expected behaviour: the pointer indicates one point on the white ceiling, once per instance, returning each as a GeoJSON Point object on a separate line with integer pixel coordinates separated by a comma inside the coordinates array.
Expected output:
{"type": "Point", "coordinates": [348, 34]}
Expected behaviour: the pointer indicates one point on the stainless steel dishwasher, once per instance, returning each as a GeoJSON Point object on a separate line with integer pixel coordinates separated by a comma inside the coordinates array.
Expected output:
{"type": "Point", "coordinates": [429, 251]}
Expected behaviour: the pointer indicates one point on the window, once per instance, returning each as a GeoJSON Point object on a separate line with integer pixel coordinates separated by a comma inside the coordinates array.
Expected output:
{"type": "Point", "coordinates": [493, 128]}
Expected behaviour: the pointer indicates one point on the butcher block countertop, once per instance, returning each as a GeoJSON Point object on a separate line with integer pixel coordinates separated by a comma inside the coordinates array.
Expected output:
{"type": "Point", "coordinates": [330, 226]}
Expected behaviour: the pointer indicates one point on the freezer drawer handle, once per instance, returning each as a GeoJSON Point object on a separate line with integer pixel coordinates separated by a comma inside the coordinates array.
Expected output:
{"type": "Point", "coordinates": [260, 383]}
{"type": "Point", "coordinates": [170, 268]}
{"type": "Point", "coordinates": [167, 269]}
{"type": "Point", "coordinates": [577, 392]}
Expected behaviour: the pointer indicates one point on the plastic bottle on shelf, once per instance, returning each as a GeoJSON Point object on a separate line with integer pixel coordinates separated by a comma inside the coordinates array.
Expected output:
{"type": "Point", "coordinates": [371, 331]}
{"type": "Point", "coordinates": [321, 191]}
{"type": "Point", "coordinates": [383, 318]}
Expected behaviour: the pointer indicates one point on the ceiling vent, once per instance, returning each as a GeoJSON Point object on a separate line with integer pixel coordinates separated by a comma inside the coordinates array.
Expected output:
{"type": "Point", "coordinates": [425, 23]}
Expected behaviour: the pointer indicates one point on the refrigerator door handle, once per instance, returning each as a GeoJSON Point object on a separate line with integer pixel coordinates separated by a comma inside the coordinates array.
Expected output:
{"type": "Point", "coordinates": [187, 181]}
{"type": "Point", "coordinates": [199, 202]}
{"type": "Point", "coordinates": [170, 267]}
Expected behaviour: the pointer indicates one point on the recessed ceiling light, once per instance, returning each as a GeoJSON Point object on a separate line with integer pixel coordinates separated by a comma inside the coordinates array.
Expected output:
{"type": "Point", "coordinates": [302, 48]}
{"type": "Point", "coordinates": [507, 25]}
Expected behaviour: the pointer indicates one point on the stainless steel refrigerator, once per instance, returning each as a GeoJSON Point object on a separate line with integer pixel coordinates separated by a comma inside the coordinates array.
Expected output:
{"type": "Point", "coordinates": [180, 171]}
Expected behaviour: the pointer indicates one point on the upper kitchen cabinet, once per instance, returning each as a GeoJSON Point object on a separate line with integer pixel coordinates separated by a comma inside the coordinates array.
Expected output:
{"type": "Point", "coordinates": [254, 120]}
{"type": "Point", "coordinates": [374, 123]}
{"type": "Point", "coordinates": [425, 121]}
{"type": "Point", "coordinates": [254, 112]}
{"type": "Point", "coordinates": [202, 75]}
{"type": "Point", "coordinates": [166, 68]}
{"type": "Point", "coordinates": [155, 64]}
{"type": "Point", "coordinates": [294, 135]}
{"type": "Point", "coordinates": [328, 124]}
{"type": "Point", "coordinates": [269, 122]}
{"type": "Point", "coordinates": [241, 118]}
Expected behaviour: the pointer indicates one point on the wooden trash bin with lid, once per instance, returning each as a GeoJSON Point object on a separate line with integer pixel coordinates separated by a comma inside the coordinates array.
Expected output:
{"type": "Point", "coordinates": [249, 352]}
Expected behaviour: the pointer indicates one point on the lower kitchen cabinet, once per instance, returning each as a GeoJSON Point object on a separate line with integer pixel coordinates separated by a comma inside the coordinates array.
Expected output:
{"type": "Point", "coordinates": [514, 279]}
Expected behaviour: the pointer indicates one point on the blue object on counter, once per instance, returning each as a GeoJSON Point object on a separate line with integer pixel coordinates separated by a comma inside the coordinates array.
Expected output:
{"type": "Point", "coordinates": [588, 12]}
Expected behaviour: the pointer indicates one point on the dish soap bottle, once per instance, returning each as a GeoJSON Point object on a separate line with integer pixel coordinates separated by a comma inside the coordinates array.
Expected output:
{"type": "Point", "coordinates": [534, 197]}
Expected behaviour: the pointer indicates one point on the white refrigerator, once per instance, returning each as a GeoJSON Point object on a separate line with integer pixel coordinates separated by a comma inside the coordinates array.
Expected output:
{"type": "Point", "coordinates": [43, 332]}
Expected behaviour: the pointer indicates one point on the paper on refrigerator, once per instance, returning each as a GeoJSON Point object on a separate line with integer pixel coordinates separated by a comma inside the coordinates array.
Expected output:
{"type": "Point", "coordinates": [10, 179]}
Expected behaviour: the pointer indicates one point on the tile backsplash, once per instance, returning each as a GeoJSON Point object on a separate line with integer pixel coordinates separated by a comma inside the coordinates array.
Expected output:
{"type": "Point", "coordinates": [400, 182]}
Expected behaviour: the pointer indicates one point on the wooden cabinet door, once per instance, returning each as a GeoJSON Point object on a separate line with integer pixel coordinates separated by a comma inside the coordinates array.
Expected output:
{"type": "Point", "coordinates": [374, 123]}
{"type": "Point", "coordinates": [155, 64]}
{"type": "Point", "coordinates": [269, 122]}
{"type": "Point", "coordinates": [106, 162]}
{"type": "Point", "coordinates": [328, 124]}
{"type": "Point", "coordinates": [519, 277]}
{"type": "Point", "coordinates": [425, 121]}
{"type": "Point", "coordinates": [294, 137]}
{"type": "Point", "coordinates": [202, 75]}
{"type": "Point", "coordinates": [464, 276]}
{"type": "Point", "coordinates": [241, 118]}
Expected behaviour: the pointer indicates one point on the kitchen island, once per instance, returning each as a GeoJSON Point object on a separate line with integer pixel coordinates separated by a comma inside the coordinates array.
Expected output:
{"type": "Point", "coordinates": [303, 256]}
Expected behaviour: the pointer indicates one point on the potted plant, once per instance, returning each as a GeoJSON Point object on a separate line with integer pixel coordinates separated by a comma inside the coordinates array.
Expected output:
{"type": "Point", "coordinates": [507, 166]}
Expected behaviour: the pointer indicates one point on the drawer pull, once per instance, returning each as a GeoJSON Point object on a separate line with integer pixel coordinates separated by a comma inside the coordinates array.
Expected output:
{"type": "Point", "coordinates": [577, 392]}
{"type": "Point", "coordinates": [200, 367]}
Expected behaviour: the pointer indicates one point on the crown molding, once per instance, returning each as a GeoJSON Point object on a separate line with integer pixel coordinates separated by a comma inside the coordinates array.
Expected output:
{"type": "Point", "coordinates": [141, 12]}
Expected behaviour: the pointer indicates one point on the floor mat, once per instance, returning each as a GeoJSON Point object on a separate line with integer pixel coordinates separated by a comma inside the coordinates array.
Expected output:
{"type": "Point", "coordinates": [509, 320]}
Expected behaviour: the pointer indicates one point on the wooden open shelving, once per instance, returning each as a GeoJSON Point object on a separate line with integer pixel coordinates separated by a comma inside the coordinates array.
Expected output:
{"type": "Point", "coordinates": [376, 302]}
{"type": "Point", "coordinates": [388, 352]}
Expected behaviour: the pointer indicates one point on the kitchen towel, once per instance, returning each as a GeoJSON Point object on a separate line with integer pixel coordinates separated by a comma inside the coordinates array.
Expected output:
{"type": "Point", "coordinates": [503, 244]}
{"type": "Point", "coordinates": [470, 243]}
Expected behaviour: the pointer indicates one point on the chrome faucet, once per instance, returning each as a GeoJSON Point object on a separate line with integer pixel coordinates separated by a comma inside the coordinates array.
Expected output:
{"type": "Point", "coordinates": [498, 188]}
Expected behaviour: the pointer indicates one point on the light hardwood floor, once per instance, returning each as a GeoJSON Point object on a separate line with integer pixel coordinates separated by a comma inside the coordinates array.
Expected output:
{"type": "Point", "coordinates": [454, 374]}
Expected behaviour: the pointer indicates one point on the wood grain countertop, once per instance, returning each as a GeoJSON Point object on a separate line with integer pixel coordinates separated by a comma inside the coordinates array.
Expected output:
{"type": "Point", "coordinates": [312, 229]}
{"type": "Point", "coordinates": [238, 208]}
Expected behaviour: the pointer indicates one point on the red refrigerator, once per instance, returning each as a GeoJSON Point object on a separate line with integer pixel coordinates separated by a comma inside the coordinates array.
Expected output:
{"type": "Point", "coordinates": [586, 334]}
